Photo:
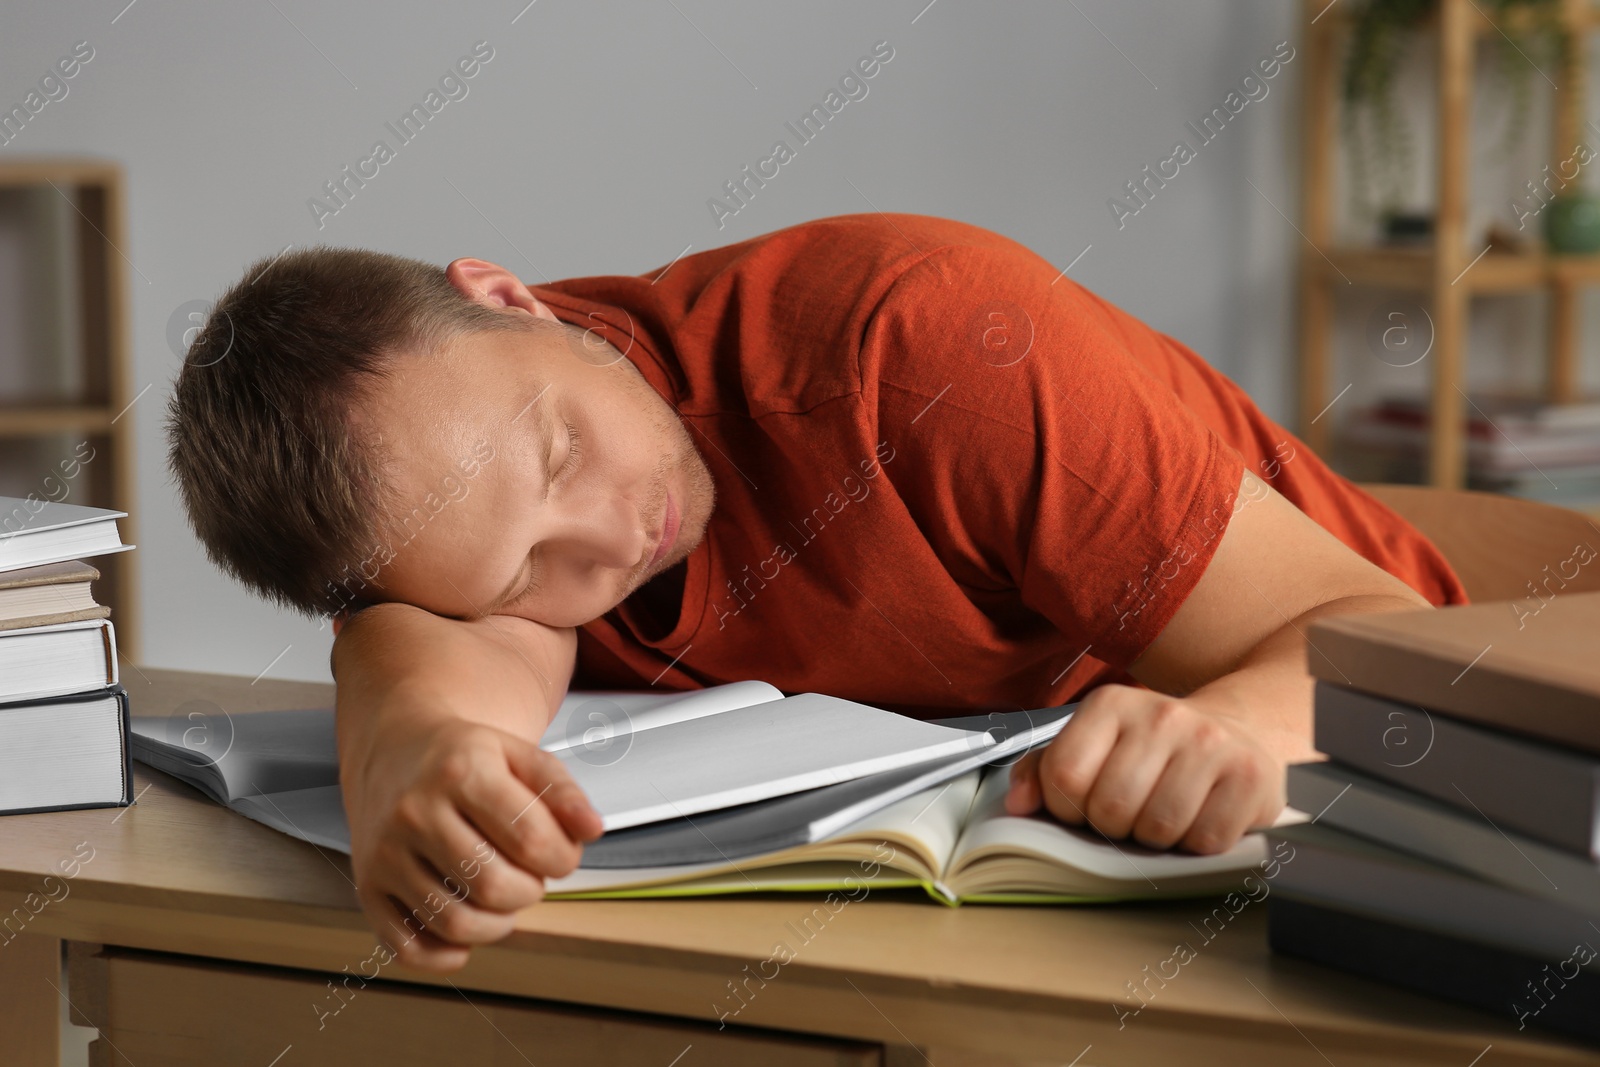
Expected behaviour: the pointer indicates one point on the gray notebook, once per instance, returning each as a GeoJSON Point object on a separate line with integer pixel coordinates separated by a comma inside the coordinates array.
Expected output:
{"type": "Point", "coordinates": [1335, 869]}
{"type": "Point", "coordinates": [1351, 801]}
{"type": "Point", "coordinates": [1543, 790]}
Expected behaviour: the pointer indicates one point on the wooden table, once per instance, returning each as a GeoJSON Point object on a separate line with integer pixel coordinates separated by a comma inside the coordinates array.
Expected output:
{"type": "Point", "coordinates": [196, 936]}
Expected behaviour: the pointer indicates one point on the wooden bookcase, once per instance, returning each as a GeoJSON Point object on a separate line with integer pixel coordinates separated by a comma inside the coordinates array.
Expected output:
{"type": "Point", "coordinates": [74, 403]}
{"type": "Point", "coordinates": [1449, 273]}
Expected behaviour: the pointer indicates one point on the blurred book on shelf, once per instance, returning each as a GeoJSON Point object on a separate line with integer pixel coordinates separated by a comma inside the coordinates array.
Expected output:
{"type": "Point", "coordinates": [1515, 444]}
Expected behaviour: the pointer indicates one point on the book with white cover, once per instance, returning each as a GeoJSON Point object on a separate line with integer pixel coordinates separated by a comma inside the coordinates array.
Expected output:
{"type": "Point", "coordinates": [803, 818]}
{"type": "Point", "coordinates": [753, 753]}
{"type": "Point", "coordinates": [65, 752]}
{"type": "Point", "coordinates": [68, 657]}
{"type": "Point", "coordinates": [34, 531]}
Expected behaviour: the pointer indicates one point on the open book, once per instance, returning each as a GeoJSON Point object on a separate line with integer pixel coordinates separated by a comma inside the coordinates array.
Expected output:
{"type": "Point", "coordinates": [954, 840]}
{"type": "Point", "coordinates": [783, 812]}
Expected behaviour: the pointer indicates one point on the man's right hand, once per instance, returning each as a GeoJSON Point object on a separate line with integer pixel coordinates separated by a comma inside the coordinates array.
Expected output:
{"type": "Point", "coordinates": [456, 816]}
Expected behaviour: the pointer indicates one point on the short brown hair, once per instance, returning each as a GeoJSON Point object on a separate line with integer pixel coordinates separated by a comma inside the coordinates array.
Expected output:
{"type": "Point", "coordinates": [283, 496]}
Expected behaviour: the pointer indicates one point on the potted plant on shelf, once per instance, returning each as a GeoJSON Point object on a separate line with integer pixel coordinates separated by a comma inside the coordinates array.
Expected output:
{"type": "Point", "coordinates": [1380, 145]}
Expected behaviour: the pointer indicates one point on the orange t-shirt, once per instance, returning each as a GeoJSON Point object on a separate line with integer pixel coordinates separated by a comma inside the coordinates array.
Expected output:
{"type": "Point", "coordinates": [947, 476]}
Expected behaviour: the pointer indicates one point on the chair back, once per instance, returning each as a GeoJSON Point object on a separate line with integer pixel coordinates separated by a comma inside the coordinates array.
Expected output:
{"type": "Point", "coordinates": [1502, 547]}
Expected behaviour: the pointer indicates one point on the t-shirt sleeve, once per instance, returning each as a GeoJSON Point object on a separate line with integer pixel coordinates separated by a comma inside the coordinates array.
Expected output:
{"type": "Point", "coordinates": [1041, 456]}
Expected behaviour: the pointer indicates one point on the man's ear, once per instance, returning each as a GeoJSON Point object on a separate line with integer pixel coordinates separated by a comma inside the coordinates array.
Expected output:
{"type": "Point", "coordinates": [493, 286]}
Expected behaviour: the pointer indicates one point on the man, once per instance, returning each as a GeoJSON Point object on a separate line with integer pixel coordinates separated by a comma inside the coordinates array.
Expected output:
{"type": "Point", "coordinates": [897, 459]}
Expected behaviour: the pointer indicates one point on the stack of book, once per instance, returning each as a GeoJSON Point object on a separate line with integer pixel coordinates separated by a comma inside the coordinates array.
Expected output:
{"type": "Point", "coordinates": [1454, 840]}
{"type": "Point", "coordinates": [1515, 445]}
{"type": "Point", "coordinates": [63, 717]}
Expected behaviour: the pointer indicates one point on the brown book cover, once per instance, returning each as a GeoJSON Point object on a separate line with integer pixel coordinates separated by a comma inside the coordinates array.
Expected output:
{"type": "Point", "coordinates": [52, 593]}
{"type": "Point", "coordinates": [49, 574]}
{"type": "Point", "coordinates": [1531, 668]}
{"type": "Point", "coordinates": [99, 611]}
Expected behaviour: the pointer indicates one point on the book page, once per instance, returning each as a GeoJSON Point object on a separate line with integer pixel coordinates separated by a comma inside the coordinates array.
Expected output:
{"type": "Point", "coordinates": [250, 752]}
{"type": "Point", "coordinates": [61, 753]}
{"type": "Point", "coordinates": [904, 842]}
{"type": "Point", "coordinates": [928, 823]}
{"type": "Point", "coordinates": [1014, 733]}
{"type": "Point", "coordinates": [315, 815]}
{"type": "Point", "coordinates": [57, 660]}
{"type": "Point", "coordinates": [1047, 856]}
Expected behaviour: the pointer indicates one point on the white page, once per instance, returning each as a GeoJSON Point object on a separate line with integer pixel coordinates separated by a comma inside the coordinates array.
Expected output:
{"type": "Point", "coordinates": [251, 752]}
{"type": "Point", "coordinates": [932, 817]}
{"type": "Point", "coordinates": [595, 718]}
{"type": "Point", "coordinates": [771, 749]}
{"type": "Point", "coordinates": [936, 775]}
{"type": "Point", "coordinates": [315, 815]}
{"type": "Point", "coordinates": [35, 545]}
{"type": "Point", "coordinates": [38, 740]}
{"type": "Point", "coordinates": [1084, 850]}
{"type": "Point", "coordinates": [38, 661]}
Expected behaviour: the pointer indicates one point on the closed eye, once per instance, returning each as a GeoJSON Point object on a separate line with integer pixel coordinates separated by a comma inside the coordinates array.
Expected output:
{"type": "Point", "coordinates": [559, 475]}
{"type": "Point", "coordinates": [533, 581]}
{"type": "Point", "coordinates": [574, 452]}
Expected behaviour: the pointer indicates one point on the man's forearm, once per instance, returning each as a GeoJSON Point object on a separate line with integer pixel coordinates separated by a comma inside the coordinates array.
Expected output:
{"type": "Point", "coordinates": [456, 816]}
{"type": "Point", "coordinates": [397, 667]}
{"type": "Point", "coordinates": [1270, 689]}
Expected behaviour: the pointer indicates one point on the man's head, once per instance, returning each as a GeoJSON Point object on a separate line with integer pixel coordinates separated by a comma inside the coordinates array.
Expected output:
{"type": "Point", "coordinates": [352, 427]}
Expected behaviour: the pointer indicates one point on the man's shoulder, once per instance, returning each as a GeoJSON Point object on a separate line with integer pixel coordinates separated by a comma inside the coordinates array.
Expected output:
{"type": "Point", "coordinates": [776, 323]}
{"type": "Point", "coordinates": [831, 277]}
{"type": "Point", "coordinates": [792, 307]}
{"type": "Point", "coordinates": [878, 245]}
{"type": "Point", "coordinates": [901, 229]}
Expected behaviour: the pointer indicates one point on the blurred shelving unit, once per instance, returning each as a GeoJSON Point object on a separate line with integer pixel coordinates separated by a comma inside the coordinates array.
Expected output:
{"type": "Point", "coordinates": [64, 354]}
{"type": "Point", "coordinates": [1452, 271]}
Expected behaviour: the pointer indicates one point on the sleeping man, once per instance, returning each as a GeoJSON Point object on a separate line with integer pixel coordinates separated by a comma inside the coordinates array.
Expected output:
{"type": "Point", "coordinates": [896, 459]}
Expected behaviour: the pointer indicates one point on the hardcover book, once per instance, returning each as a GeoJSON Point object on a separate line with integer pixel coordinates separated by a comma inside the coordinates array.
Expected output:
{"type": "Point", "coordinates": [1527, 667]}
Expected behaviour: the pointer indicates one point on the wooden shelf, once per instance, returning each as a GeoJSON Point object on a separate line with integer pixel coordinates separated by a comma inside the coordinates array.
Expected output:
{"type": "Point", "coordinates": [94, 189]}
{"type": "Point", "coordinates": [1451, 268]}
{"type": "Point", "coordinates": [57, 170]}
{"type": "Point", "coordinates": [35, 421]}
{"type": "Point", "coordinates": [1481, 22]}
{"type": "Point", "coordinates": [1413, 268]}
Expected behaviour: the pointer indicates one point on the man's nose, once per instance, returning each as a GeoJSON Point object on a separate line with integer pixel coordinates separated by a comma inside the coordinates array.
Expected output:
{"type": "Point", "coordinates": [607, 532]}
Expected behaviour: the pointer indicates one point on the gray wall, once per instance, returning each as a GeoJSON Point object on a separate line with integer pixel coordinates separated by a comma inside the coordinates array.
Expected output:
{"type": "Point", "coordinates": [593, 138]}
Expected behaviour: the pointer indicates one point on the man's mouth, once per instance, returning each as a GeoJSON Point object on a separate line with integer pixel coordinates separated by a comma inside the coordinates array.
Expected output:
{"type": "Point", "coordinates": [669, 531]}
